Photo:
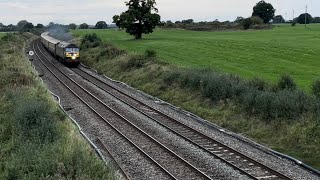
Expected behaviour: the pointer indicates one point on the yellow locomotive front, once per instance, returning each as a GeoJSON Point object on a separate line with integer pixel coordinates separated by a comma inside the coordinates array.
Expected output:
{"type": "Point", "coordinates": [72, 54]}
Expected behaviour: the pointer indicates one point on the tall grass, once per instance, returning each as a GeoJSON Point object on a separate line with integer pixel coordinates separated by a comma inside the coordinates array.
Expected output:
{"type": "Point", "coordinates": [255, 96]}
{"type": "Point", "coordinates": [279, 115]}
{"type": "Point", "coordinates": [36, 139]}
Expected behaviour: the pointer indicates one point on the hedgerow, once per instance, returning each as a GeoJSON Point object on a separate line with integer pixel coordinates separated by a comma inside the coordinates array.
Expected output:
{"type": "Point", "coordinates": [254, 96]}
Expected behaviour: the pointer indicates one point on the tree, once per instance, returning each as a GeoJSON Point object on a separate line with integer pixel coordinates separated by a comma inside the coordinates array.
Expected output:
{"type": "Point", "coordinates": [39, 26]}
{"type": "Point", "coordinates": [246, 23]}
{"type": "Point", "coordinates": [72, 26]}
{"type": "Point", "coordinates": [264, 10]}
{"type": "Point", "coordinates": [188, 21]}
{"type": "Point", "coordinates": [302, 18]}
{"type": "Point", "coordinates": [22, 23]}
{"type": "Point", "coordinates": [141, 17]}
{"type": "Point", "coordinates": [278, 19]}
{"type": "Point", "coordinates": [84, 26]}
{"type": "Point", "coordinates": [101, 25]}
{"type": "Point", "coordinates": [316, 20]}
{"type": "Point", "coordinates": [239, 19]}
{"type": "Point", "coordinates": [28, 27]}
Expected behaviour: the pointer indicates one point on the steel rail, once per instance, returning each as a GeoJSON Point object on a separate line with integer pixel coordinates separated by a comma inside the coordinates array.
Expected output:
{"type": "Point", "coordinates": [122, 117]}
{"type": "Point", "coordinates": [205, 137]}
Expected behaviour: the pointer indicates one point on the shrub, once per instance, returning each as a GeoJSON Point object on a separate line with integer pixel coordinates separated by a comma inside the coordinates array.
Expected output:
{"type": "Point", "coordinates": [150, 53]}
{"type": "Point", "coordinates": [112, 51]}
{"type": "Point", "coordinates": [286, 82]}
{"type": "Point", "coordinates": [256, 20]}
{"type": "Point", "coordinates": [34, 121]}
{"type": "Point", "coordinates": [135, 61]}
{"type": "Point", "coordinates": [171, 77]}
{"type": "Point", "coordinates": [258, 84]}
{"type": "Point", "coordinates": [246, 23]}
{"type": "Point", "coordinates": [316, 88]}
{"type": "Point", "coordinates": [293, 24]}
{"type": "Point", "coordinates": [90, 41]}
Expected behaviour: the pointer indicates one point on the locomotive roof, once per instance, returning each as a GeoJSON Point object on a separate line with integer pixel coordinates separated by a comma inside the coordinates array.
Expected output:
{"type": "Point", "coordinates": [62, 44]}
{"type": "Point", "coordinates": [49, 38]}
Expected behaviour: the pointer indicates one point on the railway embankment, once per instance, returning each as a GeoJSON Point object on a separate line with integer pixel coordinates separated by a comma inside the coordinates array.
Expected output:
{"type": "Point", "coordinates": [279, 116]}
{"type": "Point", "coordinates": [37, 140]}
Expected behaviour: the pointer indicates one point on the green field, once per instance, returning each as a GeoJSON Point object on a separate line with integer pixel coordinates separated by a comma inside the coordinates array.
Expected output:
{"type": "Point", "coordinates": [266, 53]}
{"type": "Point", "coordinates": [2, 34]}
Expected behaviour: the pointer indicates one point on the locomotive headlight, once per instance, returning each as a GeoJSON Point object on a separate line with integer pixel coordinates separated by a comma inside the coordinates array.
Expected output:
{"type": "Point", "coordinates": [73, 57]}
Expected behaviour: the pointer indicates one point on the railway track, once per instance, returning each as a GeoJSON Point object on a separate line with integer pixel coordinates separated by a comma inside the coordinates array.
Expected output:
{"type": "Point", "coordinates": [230, 156]}
{"type": "Point", "coordinates": [170, 163]}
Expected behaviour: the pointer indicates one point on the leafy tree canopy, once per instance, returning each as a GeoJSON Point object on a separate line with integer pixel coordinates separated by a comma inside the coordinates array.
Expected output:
{"type": "Point", "coordinates": [101, 25]}
{"type": "Point", "coordinates": [72, 26]}
{"type": "Point", "coordinates": [264, 10]}
{"type": "Point", "coordinates": [278, 19]}
{"type": "Point", "coordinates": [239, 19]}
{"type": "Point", "coordinates": [188, 21]}
{"type": "Point", "coordinates": [22, 23]}
{"type": "Point", "coordinates": [316, 20]}
{"type": "Point", "coordinates": [141, 17]}
{"type": "Point", "coordinates": [84, 26]}
{"type": "Point", "coordinates": [302, 18]}
{"type": "Point", "coordinates": [39, 26]}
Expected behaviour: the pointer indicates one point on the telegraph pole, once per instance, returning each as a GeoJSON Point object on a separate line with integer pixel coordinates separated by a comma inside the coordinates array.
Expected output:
{"type": "Point", "coordinates": [305, 17]}
{"type": "Point", "coordinates": [293, 16]}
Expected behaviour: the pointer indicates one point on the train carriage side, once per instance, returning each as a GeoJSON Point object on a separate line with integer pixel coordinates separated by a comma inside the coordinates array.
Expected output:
{"type": "Point", "coordinates": [49, 43]}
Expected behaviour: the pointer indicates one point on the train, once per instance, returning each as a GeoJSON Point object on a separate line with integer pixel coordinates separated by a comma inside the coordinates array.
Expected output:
{"type": "Point", "coordinates": [65, 52]}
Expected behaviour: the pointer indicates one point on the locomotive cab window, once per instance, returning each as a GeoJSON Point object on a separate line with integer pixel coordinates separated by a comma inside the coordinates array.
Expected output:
{"type": "Point", "coordinates": [72, 50]}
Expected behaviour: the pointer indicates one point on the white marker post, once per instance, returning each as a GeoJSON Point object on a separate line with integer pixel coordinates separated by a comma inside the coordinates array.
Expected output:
{"type": "Point", "coordinates": [31, 53]}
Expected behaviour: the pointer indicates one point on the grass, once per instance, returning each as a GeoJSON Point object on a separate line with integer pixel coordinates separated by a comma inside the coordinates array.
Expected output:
{"type": "Point", "coordinates": [266, 54]}
{"type": "Point", "coordinates": [297, 135]}
{"type": "Point", "coordinates": [37, 140]}
{"type": "Point", "coordinates": [2, 34]}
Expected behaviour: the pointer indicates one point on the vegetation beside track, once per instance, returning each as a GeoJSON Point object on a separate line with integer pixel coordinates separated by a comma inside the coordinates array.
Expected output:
{"type": "Point", "coordinates": [280, 116]}
{"type": "Point", "coordinates": [37, 141]}
{"type": "Point", "coordinates": [266, 54]}
{"type": "Point", "coordinates": [2, 34]}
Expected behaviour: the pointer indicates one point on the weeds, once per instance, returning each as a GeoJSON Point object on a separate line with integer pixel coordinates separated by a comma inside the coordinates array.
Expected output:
{"type": "Point", "coordinates": [286, 82]}
{"type": "Point", "coordinates": [316, 88]}
{"type": "Point", "coordinates": [35, 139]}
{"type": "Point", "coordinates": [90, 41]}
{"type": "Point", "coordinates": [254, 96]}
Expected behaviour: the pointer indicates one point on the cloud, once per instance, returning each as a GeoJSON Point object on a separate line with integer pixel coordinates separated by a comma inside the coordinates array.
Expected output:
{"type": "Point", "coordinates": [63, 11]}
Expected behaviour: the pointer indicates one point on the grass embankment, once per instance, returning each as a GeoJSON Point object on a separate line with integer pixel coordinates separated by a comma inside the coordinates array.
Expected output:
{"type": "Point", "coordinates": [279, 116]}
{"type": "Point", "coordinates": [266, 53]}
{"type": "Point", "coordinates": [37, 141]}
{"type": "Point", "coordinates": [2, 34]}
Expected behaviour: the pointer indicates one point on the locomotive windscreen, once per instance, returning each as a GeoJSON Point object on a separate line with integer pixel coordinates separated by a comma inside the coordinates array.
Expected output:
{"type": "Point", "coordinates": [72, 49]}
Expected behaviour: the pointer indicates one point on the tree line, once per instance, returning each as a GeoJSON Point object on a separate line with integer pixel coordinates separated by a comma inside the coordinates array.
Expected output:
{"type": "Point", "coordinates": [25, 26]}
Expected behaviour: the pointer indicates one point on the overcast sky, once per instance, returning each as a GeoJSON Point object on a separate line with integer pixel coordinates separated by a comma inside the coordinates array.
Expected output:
{"type": "Point", "coordinates": [91, 11]}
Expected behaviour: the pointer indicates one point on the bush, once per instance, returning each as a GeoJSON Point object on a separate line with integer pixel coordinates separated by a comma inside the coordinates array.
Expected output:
{"type": "Point", "coordinates": [286, 82]}
{"type": "Point", "coordinates": [258, 84]}
{"type": "Point", "coordinates": [91, 41]}
{"type": "Point", "coordinates": [112, 52]}
{"type": "Point", "coordinates": [34, 121]}
{"type": "Point", "coordinates": [256, 20]}
{"type": "Point", "coordinates": [134, 62]}
{"type": "Point", "coordinates": [254, 96]}
{"type": "Point", "coordinates": [246, 23]}
{"type": "Point", "coordinates": [149, 53]}
{"type": "Point", "coordinates": [293, 24]}
{"type": "Point", "coordinates": [316, 88]}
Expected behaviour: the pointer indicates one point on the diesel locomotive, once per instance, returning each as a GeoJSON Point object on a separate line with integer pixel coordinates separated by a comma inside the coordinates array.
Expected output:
{"type": "Point", "coordinates": [65, 52]}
